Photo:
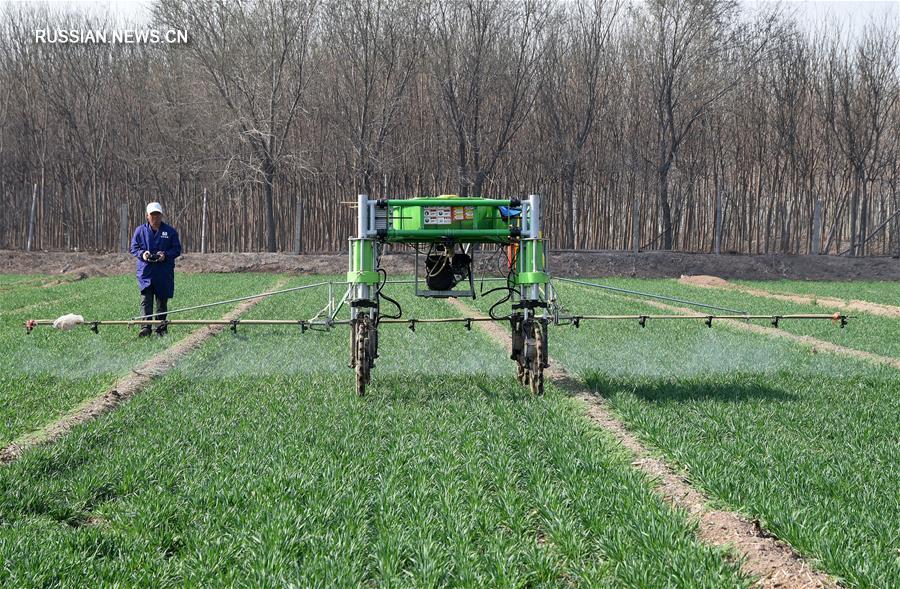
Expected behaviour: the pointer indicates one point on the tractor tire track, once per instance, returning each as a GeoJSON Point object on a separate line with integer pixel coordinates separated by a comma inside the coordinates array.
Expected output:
{"type": "Point", "coordinates": [829, 302]}
{"type": "Point", "coordinates": [125, 388]}
{"type": "Point", "coordinates": [773, 562]}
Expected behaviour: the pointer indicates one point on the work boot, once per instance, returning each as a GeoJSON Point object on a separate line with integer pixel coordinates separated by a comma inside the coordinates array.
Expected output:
{"type": "Point", "coordinates": [145, 331]}
{"type": "Point", "coordinates": [161, 330]}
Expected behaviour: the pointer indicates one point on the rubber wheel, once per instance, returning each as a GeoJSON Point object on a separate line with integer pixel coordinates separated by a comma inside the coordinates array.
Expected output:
{"type": "Point", "coordinates": [361, 356]}
{"type": "Point", "coordinates": [536, 379]}
{"type": "Point", "coordinates": [521, 373]}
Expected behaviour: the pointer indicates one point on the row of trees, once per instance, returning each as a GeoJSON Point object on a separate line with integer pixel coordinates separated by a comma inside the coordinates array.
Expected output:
{"type": "Point", "coordinates": [664, 124]}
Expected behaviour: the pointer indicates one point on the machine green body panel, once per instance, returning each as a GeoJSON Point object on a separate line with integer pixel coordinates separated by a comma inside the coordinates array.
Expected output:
{"type": "Point", "coordinates": [474, 220]}
{"type": "Point", "coordinates": [530, 266]}
{"type": "Point", "coordinates": [363, 277]}
{"type": "Point", "coordinates": [362, 263]}
{"type": "Point", "coordinates": [468, 235]}
{"type": "Point", "coordinates": [532, 278]}
{"type": "Point", "coordinates": [427, 201]}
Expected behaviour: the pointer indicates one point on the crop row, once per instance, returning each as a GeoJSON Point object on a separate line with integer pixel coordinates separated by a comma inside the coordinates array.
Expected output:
{"type": "Point", "coordinates": [870, 333]}
{"type": "Point", "coordinates": [874, 291]}
{"type": "Point", "coordinates": [804, 442]}
{"type": "Point", "coordinates": [46, 373]}
{"type": "Point", "coordinates": [253, 463]}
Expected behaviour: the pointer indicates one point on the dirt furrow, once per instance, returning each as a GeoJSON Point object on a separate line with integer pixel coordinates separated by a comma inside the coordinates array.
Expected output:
{"type": "Point", "coordinates": [829, 302]}
{"type": "Point", "coordinates": [773, 562]}
{"type": "Point", "coordinates": [125, 388]}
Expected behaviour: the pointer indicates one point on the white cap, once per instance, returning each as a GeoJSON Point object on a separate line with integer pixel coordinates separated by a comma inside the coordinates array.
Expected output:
{"type": "Point", "coordinates": [154, 207]}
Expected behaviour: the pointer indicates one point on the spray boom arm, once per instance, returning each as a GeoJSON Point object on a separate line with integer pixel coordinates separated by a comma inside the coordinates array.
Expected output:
{"type": "Point", "coordinates": [448, 226]}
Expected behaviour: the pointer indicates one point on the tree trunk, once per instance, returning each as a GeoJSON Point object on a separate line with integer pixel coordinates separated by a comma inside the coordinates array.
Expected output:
{"type": "Point", "coordinates": [478, 184]}
{"type": "Point", "coordinates": [665, 210]}
{"type": "Point", "coordinates": [462, 170]}
{"type": "Point", "coordinates": [269, 176]}
{"type": "Point", "coordinates": [854, 208]}
{"type": "Point", "coordinates": [568, 224]}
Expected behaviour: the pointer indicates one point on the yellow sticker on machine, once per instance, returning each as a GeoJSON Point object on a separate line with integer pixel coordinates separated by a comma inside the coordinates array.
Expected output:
{"type": "Point", "coordinates": [463, 213]}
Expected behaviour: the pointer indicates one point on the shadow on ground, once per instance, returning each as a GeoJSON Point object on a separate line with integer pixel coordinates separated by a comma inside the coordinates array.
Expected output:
{"type": "Point", "coordinates": [664, 390]}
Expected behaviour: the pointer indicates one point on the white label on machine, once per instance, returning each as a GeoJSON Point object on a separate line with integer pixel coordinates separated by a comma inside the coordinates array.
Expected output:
{"type": "Point", "coordinates": [438, 216]}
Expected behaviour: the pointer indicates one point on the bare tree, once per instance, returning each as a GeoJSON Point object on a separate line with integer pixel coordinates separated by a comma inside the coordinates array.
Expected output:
{"type": "Point", "coordinates": [484, 65]}
{"type": "Point", "coordinates": [494, 97]}
{"type": "Point", "coordinates": [374, 47]}
{"type": "Point", "coordinates": [693, 62]}
{"type": "Point", "coordinates": [862, 93]}
{"type": "Point", "coordinates": [573, 86]}
{"type": "Point", "coordinates": [254, 52]}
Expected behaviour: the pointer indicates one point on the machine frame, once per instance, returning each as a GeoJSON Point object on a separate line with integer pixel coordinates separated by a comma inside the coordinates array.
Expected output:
{"type": "Point", "coordinates": [452, 221]}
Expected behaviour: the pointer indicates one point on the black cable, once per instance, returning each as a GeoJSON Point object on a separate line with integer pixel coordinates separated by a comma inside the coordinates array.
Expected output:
{"type": "Point", "coordinates": [511, 291]}
{"type": "Point", "coordinates": [378, 294]}
{"type": "Point", "coordinates": [509, 294]}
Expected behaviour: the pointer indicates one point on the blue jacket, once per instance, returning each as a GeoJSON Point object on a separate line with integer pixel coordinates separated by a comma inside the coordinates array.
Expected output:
{"type": "Point", "coordinates": [160, 274]}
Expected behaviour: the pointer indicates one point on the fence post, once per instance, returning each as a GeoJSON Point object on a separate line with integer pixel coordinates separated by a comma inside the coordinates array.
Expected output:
{"type": "Point", "coordinates": [817, 228]}
{"type": "Point", "coordinates": [298, 226]}
{"type": "Point", "coordinates": [30, 239]}
{"type": "Point", "coordinates": [203, 225]}
{"type": "Point", "coordinates": [123, 227]}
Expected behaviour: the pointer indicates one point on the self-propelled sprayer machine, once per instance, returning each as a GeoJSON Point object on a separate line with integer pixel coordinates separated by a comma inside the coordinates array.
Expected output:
{"type": "Point", "coordinates": [445, 233]}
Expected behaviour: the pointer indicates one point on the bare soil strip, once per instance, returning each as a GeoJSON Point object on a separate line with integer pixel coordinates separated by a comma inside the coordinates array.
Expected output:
{"type": "Point", "coordinates": [652, 264]}
{"type": "Point", "coordinates": [42, 304]}
{"type": "Point", "coordinates": [771, 561]}
{"type": "Point", "coordinates": [125, 388]}
{"type": "Point", "coordinates": [830, 302]}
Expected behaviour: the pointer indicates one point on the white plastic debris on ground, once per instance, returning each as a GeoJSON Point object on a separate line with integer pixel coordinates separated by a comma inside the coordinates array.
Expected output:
{"type": "Point", "coordinates": [67, 322]}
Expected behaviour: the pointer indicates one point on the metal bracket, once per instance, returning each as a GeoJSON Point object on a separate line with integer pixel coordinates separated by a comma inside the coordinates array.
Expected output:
{"type": "Point", "coordinates": [708, 320]}
{"type": "Point", "coordinates": [363, 303]}
{"type": "Point", "coordinates": [642, 321]}
{"type": "Point", "coordinates": [529, 304]}
{"type": "Point", "coordinates": [234, 324]}
{"type": "Point", "coordinates": [412, 325]}
{"type": "Point", "coordinates": [775, 320]}
{"type": "Point", "coordinates": [95, 326]}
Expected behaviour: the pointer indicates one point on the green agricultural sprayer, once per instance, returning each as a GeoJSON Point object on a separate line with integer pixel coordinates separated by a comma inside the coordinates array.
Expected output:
{"type": "Point", "coordinates": [443, 230]}
{"type": "Point", "coordinates": [446, 233]}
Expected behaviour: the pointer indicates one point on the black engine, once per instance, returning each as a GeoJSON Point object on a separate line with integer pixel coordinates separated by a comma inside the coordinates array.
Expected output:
{"type": "Point", "coordinates": [446, 268]}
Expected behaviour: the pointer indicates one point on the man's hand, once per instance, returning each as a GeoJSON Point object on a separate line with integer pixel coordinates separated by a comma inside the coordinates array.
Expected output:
{"type": "Point", "coordinates": [145, 256]}
{"type": "Point", "coordinates": [162, 256]}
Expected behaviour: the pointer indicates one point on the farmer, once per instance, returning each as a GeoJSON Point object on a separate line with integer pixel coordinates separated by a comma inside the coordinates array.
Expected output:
{"type": "Point", "coordinates": [155, 245]}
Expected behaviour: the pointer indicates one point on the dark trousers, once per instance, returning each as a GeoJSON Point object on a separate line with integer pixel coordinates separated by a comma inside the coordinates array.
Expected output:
{"type": "Point", "coordinates": [162, 305]}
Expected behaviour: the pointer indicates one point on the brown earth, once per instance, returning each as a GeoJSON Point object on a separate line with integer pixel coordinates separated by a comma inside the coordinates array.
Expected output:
{"type": "Point", "coordinates": [831, 302]}
{"type": "Point", "coordinates": [772, 562]}
{"type": "Point", "coordinates": [125, 388]}
{"type": "Point", "coordinates": [74, 265]}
